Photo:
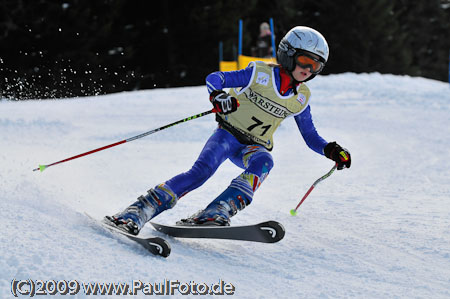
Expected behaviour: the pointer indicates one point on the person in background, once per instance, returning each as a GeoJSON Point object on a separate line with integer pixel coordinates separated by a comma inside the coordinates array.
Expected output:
{"type": "Point", "coordinates": [264, 41]}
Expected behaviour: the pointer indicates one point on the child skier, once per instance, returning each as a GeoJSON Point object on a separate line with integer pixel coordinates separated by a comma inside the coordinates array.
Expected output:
{"type": "Point", "coordinates": [247, 119]}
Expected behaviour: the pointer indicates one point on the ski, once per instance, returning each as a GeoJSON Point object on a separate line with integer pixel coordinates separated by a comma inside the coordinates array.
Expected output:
{"type": "Point", "coordinates": [265, 232]}
{"type": "Point", "coordinates": [155, 245]}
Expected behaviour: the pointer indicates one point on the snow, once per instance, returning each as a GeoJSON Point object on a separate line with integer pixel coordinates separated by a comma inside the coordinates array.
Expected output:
{"type": "Point", "coordinates": [379, 229]}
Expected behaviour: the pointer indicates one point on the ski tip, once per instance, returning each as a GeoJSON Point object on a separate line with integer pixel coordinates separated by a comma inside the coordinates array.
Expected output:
{"type": "Point", "coordinates": [162, 247]}
{"type": "Point", "coordinates": [274, 231]}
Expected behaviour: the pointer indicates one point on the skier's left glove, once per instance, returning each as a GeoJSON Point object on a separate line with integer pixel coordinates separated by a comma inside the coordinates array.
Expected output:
{"type": "Point", "coordinates": [338, 154]}
{"type": "Point", "coordinates": [223, 102]}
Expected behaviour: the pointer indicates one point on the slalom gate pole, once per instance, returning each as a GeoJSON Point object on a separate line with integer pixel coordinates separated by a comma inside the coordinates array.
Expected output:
{"type": "Point", "coordinates": [272, 31]}
{"type": "Point", "coordinates": [43, 167]}
{"type": "Point", "coordinates": [294, 211]}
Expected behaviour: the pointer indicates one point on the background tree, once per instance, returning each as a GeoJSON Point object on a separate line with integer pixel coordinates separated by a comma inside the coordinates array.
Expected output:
{"type": "Point", "coordinates": [427, 27]}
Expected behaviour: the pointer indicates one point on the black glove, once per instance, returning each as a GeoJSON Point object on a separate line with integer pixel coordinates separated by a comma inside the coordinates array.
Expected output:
{"type": "Point", "coordinates": [223, 102]}
{"type": "Point", "coordinates": [338, 154]}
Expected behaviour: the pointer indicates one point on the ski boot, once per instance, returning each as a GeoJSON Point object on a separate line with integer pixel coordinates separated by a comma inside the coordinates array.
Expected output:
{"type": "Point", "coordinates": [133, 218]}
{"type": "Point", "coordinates": [220, 210]}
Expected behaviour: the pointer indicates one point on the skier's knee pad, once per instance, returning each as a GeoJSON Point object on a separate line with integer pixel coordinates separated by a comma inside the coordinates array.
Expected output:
{"type": "Point", "coordinates": [257, 160]}
{"type": "Point", "coordinates": [260, 163]}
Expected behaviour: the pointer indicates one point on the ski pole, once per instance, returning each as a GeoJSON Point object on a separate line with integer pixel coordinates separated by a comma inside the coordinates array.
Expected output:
{"type": "Point", "coordinates": [43, 167]}
{"type": "Point", "coordinates": [294, 211]}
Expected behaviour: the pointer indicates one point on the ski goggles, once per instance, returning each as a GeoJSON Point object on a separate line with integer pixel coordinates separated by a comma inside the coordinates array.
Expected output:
{"type": "Point", "coordinates": [308, 61]}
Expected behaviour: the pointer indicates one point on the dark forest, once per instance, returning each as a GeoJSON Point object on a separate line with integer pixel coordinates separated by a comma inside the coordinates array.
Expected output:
{"type": "Point", "coordinates": [58, 49]}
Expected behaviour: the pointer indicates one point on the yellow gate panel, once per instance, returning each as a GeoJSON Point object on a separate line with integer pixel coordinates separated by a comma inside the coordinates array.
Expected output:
{"type": "Point", "coordinates": [226, 66]}
{"type": "Point", "coordinates": [245, 60]}
{"type": "Point", "coordinates": [242, 63]}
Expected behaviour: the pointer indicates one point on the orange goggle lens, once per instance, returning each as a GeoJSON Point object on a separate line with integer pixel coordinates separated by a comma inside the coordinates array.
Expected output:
{"type": "Point", "coordinates": [313, 64]}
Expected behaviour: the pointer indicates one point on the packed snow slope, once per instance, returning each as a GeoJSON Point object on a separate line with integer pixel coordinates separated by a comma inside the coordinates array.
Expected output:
{"type": "Point", "coordinates": [380, 229]}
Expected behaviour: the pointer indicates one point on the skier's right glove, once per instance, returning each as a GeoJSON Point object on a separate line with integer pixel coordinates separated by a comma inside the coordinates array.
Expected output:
{"type": "Point", "coordinates": [223, 102]}
{"type": "Point", "coordinates": [338, 154]}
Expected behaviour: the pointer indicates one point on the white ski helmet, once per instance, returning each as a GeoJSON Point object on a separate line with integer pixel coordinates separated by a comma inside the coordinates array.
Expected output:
{"type": "Point", "coordinates": [301, 39]}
